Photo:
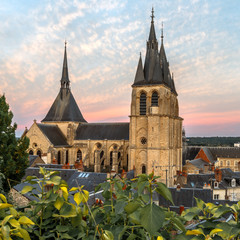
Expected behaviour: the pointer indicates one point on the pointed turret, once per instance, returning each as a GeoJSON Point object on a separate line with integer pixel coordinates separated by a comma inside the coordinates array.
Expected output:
{"type": "Point", "coordinates": [152, 51]}
{"type": "Point", "coordinates": [139, 77]}
{"type": "Point", "coordinates": [152, 34]}
{"type": "Point", "coordinates": [65, 80]}
{"type": "Point", "coordinates": [64, 108]}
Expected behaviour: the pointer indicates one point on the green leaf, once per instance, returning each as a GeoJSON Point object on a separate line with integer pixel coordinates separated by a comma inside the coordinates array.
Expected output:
{"type": "Point", "coordinates": [3, 198]}
{"type": "Point", "coordinates": [62, 228]}
{"type": "Point", "coordinates": [65, 236]}
{"type": "Point", "coordinates": [85, 196]}
{"type": "Point", "coordinates": [58, 203]}
{"type": "Point", "coordinates": [135, 217]}
{"type": "Point", "coordinates": [5, 232]}
{"type": "Point", "coordinates": [14, 212]}
{"type": "Point", "coordinates": [25, 221]}
{"type": "Point", "coordinates": [26, 189]}
{"type": "Point", "coordinates": [73, 189]}
{"type": "Point", "coordinates": [164, 191]}
{"type": "Point", "coordinates": [56, 180]}
{"type": "Point", "coordinates": [200, 204]}
{"type": "Point", "coordinates": [107, 235]}
{"type": "Point", "coordinates": [14, 223]}
{"type": "Point", "coordinates": [178, 224]}
{"type": "Point", "coordinates": [152, 218]}
{"type": "Point", "coordinates": [119, 207]}
{"type": "Point", "coordinates": [221, 210]}
{"type": "Point", "coordinates": [5, 205]}
{"type": "Point", "coordinates": [42, 171]}
{"type": "Point", "coordinates": [78, 197]}
{"type": "Point", "coordinates": [132, 206]}
{"type": "Point", "coordinates": [68, 210]}
{"type": "Point", "coordinates": [6, 219]}
{"type": "Point", "coordinates": [24, 234]}
{"type": "Point", "coordinates": [214, 231]}
{"type": "Point", "coordinates": [195, 232]}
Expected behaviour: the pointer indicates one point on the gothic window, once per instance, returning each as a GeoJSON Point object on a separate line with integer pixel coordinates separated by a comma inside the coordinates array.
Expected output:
{"type": "Point", "coordinates": [228, 163]}
{"type": "Point", "coordinates": [155, 99]}
{"type": "Point", "coordinates": [31, 152]}
{"type": "Point", "coordinates": [111, 158]}
{"type": "Point", "coordinates": [66, 157]}
{"type": "Point", "coordinates": [39, 153]}
{"type": "Point", "coordinates": [143, 104]}
{"type": "Point", "coordinates": [119, 155]}
{"type": "Point", "coordinates": [143, 169]}
{"type": "Point", "coordinates": [59, 157]}
{"type": "Point", "coordinates": [79, 155]}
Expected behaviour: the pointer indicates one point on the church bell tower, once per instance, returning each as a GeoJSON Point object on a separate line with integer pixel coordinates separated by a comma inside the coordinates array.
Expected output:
{"type": "Point", "coordinates": [155, 126]}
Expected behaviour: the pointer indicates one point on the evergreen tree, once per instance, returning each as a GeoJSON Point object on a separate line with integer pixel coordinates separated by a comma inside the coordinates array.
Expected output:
{"type": "Point", "coordinates": [13, 154]}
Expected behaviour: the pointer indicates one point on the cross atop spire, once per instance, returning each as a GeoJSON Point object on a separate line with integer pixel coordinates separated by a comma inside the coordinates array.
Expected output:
{"type": "Point", "coordinates": [162, 33]}
{"type": "Point", "coordinates": [152, 16]}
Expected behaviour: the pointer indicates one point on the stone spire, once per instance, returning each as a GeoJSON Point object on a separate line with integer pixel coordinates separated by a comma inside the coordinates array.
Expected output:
{"type": "Point", "coordinates": [139, 77]}
{"type": "Point", "coordinates": [65, 80]}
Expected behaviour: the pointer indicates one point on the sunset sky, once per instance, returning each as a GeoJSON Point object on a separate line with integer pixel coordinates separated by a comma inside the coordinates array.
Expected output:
{"type": "Point", "coordinates": [202, 43]}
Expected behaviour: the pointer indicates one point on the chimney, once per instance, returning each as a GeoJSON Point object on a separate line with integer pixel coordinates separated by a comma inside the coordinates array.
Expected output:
{"type": "Point", "coordinates": [218, 174]}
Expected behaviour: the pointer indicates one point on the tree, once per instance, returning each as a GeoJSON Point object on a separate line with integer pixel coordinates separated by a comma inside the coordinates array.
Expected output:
{"type": "Point", "coordinates": [13, 155]}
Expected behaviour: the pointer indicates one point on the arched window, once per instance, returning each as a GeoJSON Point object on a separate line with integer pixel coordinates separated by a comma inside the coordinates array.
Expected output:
{"type": "Point", "coordinates": [111, 158]}
{"type": "Point", "coordinates": [66, 162]}
{"type": "Point", "coordinates": [228, 163]}
{"type": "Point", "coordinates": [31, 152]}
{"type": "Point", "coordinates": [143, 104]}
{"type": "Point", "coordinates": [102, 163]}
{"type": "Point", "coordinates": [39, 153]}
{"type": "Point", "coordinates": [119, 155]}
{"type": "Point", "coordinates": [59, 157]}
{"type": "Point", "coordinates": [79, 155]}
{"type": "Point", "coordinates": [155, 99]}
{"type": "Point", "coordinates": [221, 163]}
{"type": "Point", "coordinates": [101, 154]}
{"type": "Point", "coordinates": [143, 169]}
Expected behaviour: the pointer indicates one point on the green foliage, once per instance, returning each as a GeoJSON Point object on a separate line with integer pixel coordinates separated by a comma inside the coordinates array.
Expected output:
{"type": "Point", "coordinates": [211, 224]}
{"type": "Point", "coordinates": [127, 212]}
{"type": "Point", "coordinates": [13, 155]}
{"type": "Point", "coordinates": [13, 224]}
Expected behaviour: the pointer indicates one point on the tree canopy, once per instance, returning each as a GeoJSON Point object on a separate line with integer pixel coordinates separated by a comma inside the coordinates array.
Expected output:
{"type": "Point", "coordinates": [13, 154]}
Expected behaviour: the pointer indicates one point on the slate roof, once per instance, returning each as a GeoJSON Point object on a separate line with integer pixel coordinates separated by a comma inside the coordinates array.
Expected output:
{"type": "Point", "coordinates": [54, 134]}
{"type": "Point", "coordinates": [224, 152]}
{"type": "Point", "coordinates": [32, 158]}
{"type": "Point", "coordinates": [186, 196]}
{"type": "Point", "coordinates": [65, 174]}
{"type": "Point", "coordinates": [156, 67]}
{"type": "Point", "coordinates": [64, 108]}
{"type": "Point", "coordinates": [199, 163]}
{"type": "Point", "coordinates": [89, 179]}
{"type": "Point", "coordinates": [101, 131]}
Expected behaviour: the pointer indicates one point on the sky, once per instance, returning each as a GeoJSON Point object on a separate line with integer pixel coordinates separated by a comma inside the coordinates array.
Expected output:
{"type": "Point", "coordinates": [104, 39]}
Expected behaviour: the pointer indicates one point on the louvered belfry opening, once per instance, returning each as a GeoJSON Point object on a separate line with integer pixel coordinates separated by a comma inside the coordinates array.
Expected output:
{"type": "Point", "coordinates": [143, 104]}
{"type": "Point", "coordinates": [155, 99]}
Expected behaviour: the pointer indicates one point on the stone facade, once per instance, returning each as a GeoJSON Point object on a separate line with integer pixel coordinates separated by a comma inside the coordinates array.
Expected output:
{"type": "Point", "coordinates": [151, 141]}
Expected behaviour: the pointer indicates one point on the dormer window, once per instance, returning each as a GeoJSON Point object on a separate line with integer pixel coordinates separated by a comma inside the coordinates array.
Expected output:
{"type": "Point", "coordinates": [216, 184]}
{"type": "Point", "coordinates": [233, 182]}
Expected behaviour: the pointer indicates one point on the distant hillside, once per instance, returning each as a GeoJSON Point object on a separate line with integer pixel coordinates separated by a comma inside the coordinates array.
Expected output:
{"type": "Point", "coordinates": [212, 141]}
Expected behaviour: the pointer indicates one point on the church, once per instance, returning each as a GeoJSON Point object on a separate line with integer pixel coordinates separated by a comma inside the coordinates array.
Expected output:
{"type": "Point", "coordinates": [152, 140]}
